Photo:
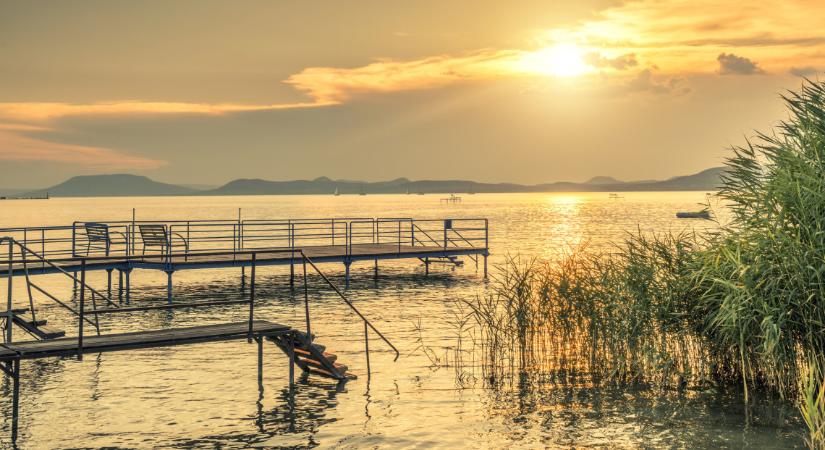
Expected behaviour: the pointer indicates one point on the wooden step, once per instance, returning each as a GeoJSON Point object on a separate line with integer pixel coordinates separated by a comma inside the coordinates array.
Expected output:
{"type": "Point", "coordinates": [314, 362]}
{"type": "Point", "coordinates": [51, 332]}
{"type": "Point", "coordinates": [324, 373]}
{"type": "Point", "coordinates": [38, 330]}
{"type": "Point", "coordinates": [331, 357]}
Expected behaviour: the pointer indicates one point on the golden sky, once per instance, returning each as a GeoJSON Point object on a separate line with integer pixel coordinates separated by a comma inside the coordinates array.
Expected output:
{"type": "Point", "coordinates": [533, 91]}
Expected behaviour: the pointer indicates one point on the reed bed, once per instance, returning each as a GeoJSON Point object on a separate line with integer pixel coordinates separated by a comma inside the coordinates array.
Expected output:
{"type": "Point", "coordinates": [743, 305]}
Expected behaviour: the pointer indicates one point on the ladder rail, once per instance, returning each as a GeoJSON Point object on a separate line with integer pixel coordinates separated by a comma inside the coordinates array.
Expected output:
{"type": "Point", "coordinates": [351, 306]}
{"type": "Point", "coordinates": [25, 251]}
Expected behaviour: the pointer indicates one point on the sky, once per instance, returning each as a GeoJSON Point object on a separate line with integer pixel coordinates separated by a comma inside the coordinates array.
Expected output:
{"type": "Point", "coordinates": [203, 92]}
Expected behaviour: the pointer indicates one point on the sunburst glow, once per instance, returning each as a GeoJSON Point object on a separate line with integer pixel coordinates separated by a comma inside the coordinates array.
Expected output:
{"type": "Point", "coordinates": [562, 60]}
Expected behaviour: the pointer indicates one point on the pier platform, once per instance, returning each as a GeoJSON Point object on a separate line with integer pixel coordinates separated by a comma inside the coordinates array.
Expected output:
{"type": "Point", "coordinates": [89, 306]}
{"type": "Point", "coordinates": [175, 245]}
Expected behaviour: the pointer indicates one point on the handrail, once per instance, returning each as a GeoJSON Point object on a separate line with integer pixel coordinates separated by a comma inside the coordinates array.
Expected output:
{"type": "Point", "coordinates": [61, 270]}
{"type": "Point", "coordinates": [29, 284]}
{"type": "Point", "coordinates": [366, 321]}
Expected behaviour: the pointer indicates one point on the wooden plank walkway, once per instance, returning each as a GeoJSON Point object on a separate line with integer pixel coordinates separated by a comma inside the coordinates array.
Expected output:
{"type": "Point", "coordinates": [264, 256]}
{"type": "Point", "coordinates": [139, 339]}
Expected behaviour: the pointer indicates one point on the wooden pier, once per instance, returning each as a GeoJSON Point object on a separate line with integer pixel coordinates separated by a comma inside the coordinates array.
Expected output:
{"type": "Point", "coordinates": [92, 305]}
{"type": "Point", "coordinates": [174, 245]}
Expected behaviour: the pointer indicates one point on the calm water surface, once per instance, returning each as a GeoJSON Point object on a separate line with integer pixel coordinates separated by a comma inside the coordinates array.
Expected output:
{"type": "Point", "coordinates": [206, 396]}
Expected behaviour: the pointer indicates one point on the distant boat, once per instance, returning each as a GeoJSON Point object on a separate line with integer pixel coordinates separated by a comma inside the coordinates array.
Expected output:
{"type": "Point", "coordinates": [613, 195]}
{"type": "Point", "coordinates": [336, 192]}
{"type": "Point", "coordinates": [703, 214]}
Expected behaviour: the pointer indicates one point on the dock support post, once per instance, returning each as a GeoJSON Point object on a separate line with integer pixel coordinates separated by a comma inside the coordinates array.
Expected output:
{"type": "Point", "coordinates": [109, 283]}
{"type": "Point", "coordinates": [426, 266]}
{"type": "Point", "coordinates": [74, 284]}
{"type": "Point", "coordinates": [243, 277]}
{"type": "Point", "coordinates": [260, 340]}
{"type": "Point", "coordinates": [375, 272]}
{"type": "Point", "coordinates": [485, 267]}
{"type": "Point", "coordinates": [128, 287]}
{"type": "Point", "coordinates": [291, 363]}
{"type": "Point", "coordinates": [169, 285]}
{"type": "Point", "coordinates": [15, 400]}
{"type": "Point", "coordinates": [346, 274]}
{"type": "Point", "coordinates": [119, 286]}
{"type": "Point", "coordinates": [292, 274]}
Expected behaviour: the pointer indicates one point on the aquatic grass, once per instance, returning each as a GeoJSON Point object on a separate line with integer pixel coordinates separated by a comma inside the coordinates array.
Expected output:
{"type": "Point", "coordinates": [744, 304]}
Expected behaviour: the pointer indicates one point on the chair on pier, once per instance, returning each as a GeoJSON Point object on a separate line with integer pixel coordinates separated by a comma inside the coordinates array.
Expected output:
{"type": "Point", "coordinates": [99, 237]}
{"type": "Point", "coordinates": [158, 235]}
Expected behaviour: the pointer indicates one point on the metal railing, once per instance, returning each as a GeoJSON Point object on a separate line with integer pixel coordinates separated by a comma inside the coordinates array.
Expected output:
{"type": "Point", "coordinates": [71, 242]}
{"type": "Point", "coordinates": [15, 264]}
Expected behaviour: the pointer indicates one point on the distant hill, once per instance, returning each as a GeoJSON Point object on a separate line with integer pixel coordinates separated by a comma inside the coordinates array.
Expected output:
{"type": "Point", "coordinates": [603, 180]}
{"type": "Point", "coordinates": [116, 185]}
{"type": "Point", "coordinates": [134, 185]}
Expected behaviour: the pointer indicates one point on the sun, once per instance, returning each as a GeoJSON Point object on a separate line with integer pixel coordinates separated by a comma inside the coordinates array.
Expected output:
{"type": "Point", "coordinates": [562, 60]}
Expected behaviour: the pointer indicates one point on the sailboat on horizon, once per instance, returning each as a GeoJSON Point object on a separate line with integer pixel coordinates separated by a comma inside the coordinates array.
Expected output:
{"type": "Point", "coordinates": [336, 192]}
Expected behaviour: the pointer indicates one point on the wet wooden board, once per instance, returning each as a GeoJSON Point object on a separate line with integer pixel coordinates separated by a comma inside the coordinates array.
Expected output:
{"type": "Point", "coordinates": [324, 253]}
{"type": "Point", "coordinates": [139, 339]}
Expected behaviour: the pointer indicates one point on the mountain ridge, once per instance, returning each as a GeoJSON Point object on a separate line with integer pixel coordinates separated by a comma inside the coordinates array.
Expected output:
{"type": "Point", "coordinates": [112, 185]}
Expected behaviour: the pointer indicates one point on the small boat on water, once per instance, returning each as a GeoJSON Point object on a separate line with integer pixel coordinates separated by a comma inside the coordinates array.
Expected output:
{"type": "Point", "coordinates": [336, 192]}
{"type": "Point", "coordinates": [703, 214]}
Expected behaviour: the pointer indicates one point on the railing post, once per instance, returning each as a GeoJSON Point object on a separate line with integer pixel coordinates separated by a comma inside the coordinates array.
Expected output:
{"type": "Point", "coordinates": [306, 298]}
{"type": "Point", "coordinates": [43, 246]}
{"type": "Point", "coordinates": [82, 299]}
{"type": "Point", "coordinates": [412, 233]}
{"type": "Point", "coordinates": [74, 239]}
{"type": "Point", "coordinates": [445, 234]}
{"type": "Point", "coordinates": [399, 236]}
{"type": "Point", "coordinates": [252, 295]}
{"type": "Point", "coordinates": [9, 301]}
{"type": "Point", "coordinates": [333, 231]}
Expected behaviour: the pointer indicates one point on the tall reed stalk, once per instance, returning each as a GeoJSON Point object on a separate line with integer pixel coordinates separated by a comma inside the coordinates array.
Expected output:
{"type": "Point", "coordinates": [744, 304]}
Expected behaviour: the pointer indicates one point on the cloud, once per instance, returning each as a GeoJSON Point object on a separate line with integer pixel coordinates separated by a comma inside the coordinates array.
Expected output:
{"type": "Point", "coordinates": [806, 71]}
{"type": "Point", "coordinates": [41, 111]}
{"type": "Point", "coordinates": [646, 81]}
{"type": "Point", "coordinates": [15, 146]}
{"type": "Point", "coordinates": [329, 85]}
{"type": "Point", "coordinates": [730, 64]}
{"type": "Point", "coordinates": [620, 62]}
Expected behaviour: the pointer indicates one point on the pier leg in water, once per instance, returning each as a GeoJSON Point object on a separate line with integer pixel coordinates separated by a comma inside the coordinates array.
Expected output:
{"type": "Point", "coordinates": [109, 283]}
{"type": "Point", "coordinates": [169, 285]}
{"type": "Point", "coordinates": [243, 277]}
{"type": "Point", "coordinates": [292, 365]}
{"type": "Point", "coordinates": [292, 274]}
{"type": "Point", "coordinates": [346, 274]}
{"type": "Point", "coordinates": [375, 274]}
{"type": "Point", "coordinates": [485, 266]}
{"type": "Point", "coordinates": [15, 400]}
{"type": "Point", "coordinates": [426, 266]}
{"type": "Point", "coordinates": [260, 340]}
{"type": "Point", "coordinates": [128, 277]}
{"type": "Point", "coordinates": [119, 286]}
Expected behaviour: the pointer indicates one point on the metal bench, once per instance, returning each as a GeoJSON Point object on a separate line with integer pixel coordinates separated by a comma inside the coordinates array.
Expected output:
{"type": "Point", "coordinates": [99, 237]}
{"type": "Point", "coordinates": [158, 235]}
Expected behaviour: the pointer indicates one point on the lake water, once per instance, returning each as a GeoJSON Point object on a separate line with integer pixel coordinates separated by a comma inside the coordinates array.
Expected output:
{"type": "Point", "coordinates": [206, 396]}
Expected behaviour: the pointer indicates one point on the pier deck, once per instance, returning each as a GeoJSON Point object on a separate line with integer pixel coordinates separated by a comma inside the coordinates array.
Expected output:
{"type": "Point", "coordinates": [299, 346]}
{"type": "Point", "coordinates": [139, 340]}
{"type": "Point", "coordinates": [264, 257]}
